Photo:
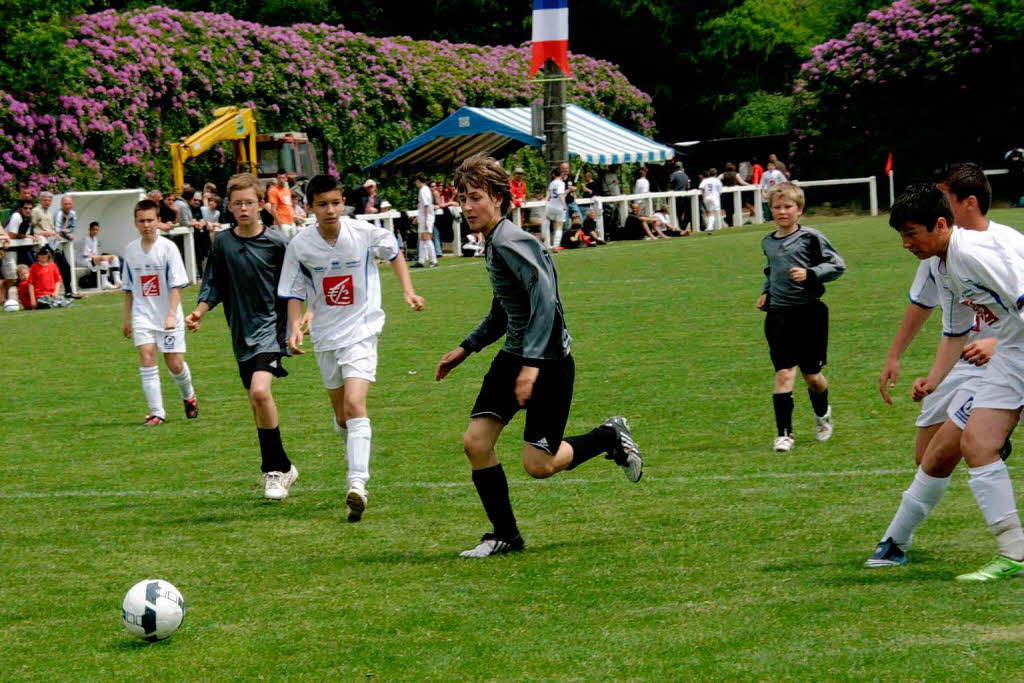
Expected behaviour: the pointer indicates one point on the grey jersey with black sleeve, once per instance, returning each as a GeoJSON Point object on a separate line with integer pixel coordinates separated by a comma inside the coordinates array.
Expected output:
{"type": "Point", "coordinates": [526, 307]}
{"type": "Point", "coordinates": [806, 248]}
{"type": "Point", "coordinates": [242, 273]}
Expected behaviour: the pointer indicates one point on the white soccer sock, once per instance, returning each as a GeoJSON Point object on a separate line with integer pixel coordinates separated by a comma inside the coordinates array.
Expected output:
{"type": "Point", "coordinates": [115, 271]}
{"type": "Point", "coordinates": [431, 252]}
{"type": "Point", "coordinates": [994, 492]}
{"type": "Point", "coordinates": [924, 493]}
{"type": "Point", "coordinates": [151, 388]}
{"type": "Point", "coordinates": [357, 450]}
{"type": "Point", "coordinates": [12, 293]}
{"type": "Point", "coordinates": [556, 239]}
{"type": "Point", "coordinates": [183, 380]}
{"type": "Point", "coordinates": [421, 251]}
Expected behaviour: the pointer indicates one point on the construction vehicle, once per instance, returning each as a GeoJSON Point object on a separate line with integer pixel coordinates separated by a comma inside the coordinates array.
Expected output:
{"type": "Point", "coordinates": [260, 154]}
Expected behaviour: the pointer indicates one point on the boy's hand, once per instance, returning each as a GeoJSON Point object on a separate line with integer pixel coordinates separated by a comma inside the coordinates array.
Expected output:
{"type": "Point", "coordinates": [524, 384]}
{"type": "Point", "coordinates": [169, 323]}
{"type": "Point", "coordinates": [415, 301]}
{"type": "Point", "coordinates": [979, 352]}
{"type": "Point", "coordinates": [295, 340]}
{"type": "Point", "coordinates": [192, 321]}
{"type": "Point", "coordinates": [762, 301]}
{"type": "Point", "coordinates": [887, 380]}
{"type": "Point", "coordinates": [798, 274]}
{"type": "Point", "coordinates": [307, 319]}
{"type": "Point", "coordinates": [922, 387]}
{"type": "Point", "coordinates": [449, 362]}
{"type": "Point", "coordinates": [126, 329]}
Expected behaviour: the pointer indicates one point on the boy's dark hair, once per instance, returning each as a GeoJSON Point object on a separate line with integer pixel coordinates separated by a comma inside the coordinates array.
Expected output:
{"type": "Point", "coordinates": [920, 204]}
{"type": "Point", "coordinates": [321, 184]}
{"type": "Point", "coordinates": [22, 203]}
{"type": "Point", "coordinates": [96, 223]}
{"type": "Point", "coordinates": [488, 175]}
{"type": "Point", "coordinates": [45, 251]}
{"type": "Point", "coordinates": [712, 171]}
{"type": "Point", "coordinates": [964, 180]}
{"type": "Point", "coordinates": [422, 177]}
{"type": "Point", "coordinates": [188, 194]}
{"type": "Point", "coordinates": [147, 205]}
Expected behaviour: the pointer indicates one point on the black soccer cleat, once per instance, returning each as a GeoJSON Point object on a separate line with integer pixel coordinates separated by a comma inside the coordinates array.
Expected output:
{"type": "Point", "coordinates": [626, 454]}
{"type": "Point", "coordinates": [191, 408]}
{"type": "Point", "coordinates": [493, 545]}
{"type": "Point", "coordinates": [887, 554]}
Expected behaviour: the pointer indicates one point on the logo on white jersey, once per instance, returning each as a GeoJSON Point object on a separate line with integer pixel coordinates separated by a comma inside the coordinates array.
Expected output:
{"type": "Point", "coordinates": [983, 312]}
{"type": "Point", "coordinates": [338, 290]}
{"type": "Point", "coordinates": [150, 285]}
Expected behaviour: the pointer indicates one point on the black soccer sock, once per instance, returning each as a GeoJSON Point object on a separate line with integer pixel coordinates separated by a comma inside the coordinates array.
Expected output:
{"type": "Point", "coordinates": [586, 446]}
{"type": "Point", "coordinates": [492, 487]}
{"type": "Point", "coordinates": [783, 412]}
{"type": "Point", "coordinates": [272, 450]}
{"type": "Point", "coordinates": [819, 401]}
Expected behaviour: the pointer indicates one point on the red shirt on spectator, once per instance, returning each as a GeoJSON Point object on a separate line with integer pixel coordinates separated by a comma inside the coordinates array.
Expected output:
{"type": "Point", "coordinates": [44, 277]}
{"type": "Point", "coordinates": [26, 301]}
{"type": "Point", "coordinates": [756, 171]}
{"type": "Point", "coordinates": [518, 190]}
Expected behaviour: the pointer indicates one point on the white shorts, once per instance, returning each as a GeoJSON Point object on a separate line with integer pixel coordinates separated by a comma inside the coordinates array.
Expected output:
{"type": "Point", "coordinates": [10, 265]}
{"type": "Point", "coordinates": [357, 360]}
{"type": "Point", "coordinates": [712, 205]}
{"type": "Point", "coordinates": [555, 215]}
{"type": "Point", "coordinates": [1002, 387]}
{"type": "Point", "coordinates": [936, 406]}
{"type": "Point", "coordinates": [166, 341]}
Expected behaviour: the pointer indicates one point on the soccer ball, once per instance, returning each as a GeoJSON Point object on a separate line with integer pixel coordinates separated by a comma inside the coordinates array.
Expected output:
{"type": "Point", "coordinates": [11, 305]}
{"type": "Point", "coordinates": [153, 609]}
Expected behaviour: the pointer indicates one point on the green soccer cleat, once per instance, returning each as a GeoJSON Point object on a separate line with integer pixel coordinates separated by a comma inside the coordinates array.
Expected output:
{"type": "Point", "coordinates": [998, 569]}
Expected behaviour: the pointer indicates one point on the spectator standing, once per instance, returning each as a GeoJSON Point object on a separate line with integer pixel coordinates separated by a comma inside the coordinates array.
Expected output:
{"type": "Point", "coordinates": [642, 185]}
{"type": "Point", "coordinates": [445, 199]}
{"type": "Point", "coordinates": [517, 186]}
{"type": "Point", "coordinates": [555, 213]}
{"type": "Point", "coordinates": [746, 171]}
{"type": "Point", "coordinates": [106, 268]}
{"type": "Point", "coordinates": [678, 181]}
{"type": "Point", "coordinates": [779, 166]}
{"type": "Point", "coordinates": [731, 178]}
{"type": "Point", "coordinates": [572, 208]}
{"type": "Point", "coordinates": [42, 219]}
{"type": "Point", "coordinates": [756, 171]}
{"type": "Point", "coordinates": [711, 186]}
{"type": "Point", "coordinates": [770, 179]}
{"type": "Point", "coordinates": [279, 196]}
{"type": "Point", "coordinates": [425, 223]}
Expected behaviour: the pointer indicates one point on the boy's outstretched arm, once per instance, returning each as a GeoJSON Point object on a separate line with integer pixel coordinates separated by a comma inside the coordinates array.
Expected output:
{"type": "Point", "coordinates": [401, 268]}
{"type": "Point", "coordinates": [295, 322]}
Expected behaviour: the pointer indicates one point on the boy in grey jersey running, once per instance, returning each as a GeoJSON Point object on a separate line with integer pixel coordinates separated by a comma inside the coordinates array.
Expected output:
{"type": "Point", "coordinates": [800, 261]}
{"type": "Point", "coordinates": [242, 271]}
{"type": "Point", "coordinates": [534, 370]}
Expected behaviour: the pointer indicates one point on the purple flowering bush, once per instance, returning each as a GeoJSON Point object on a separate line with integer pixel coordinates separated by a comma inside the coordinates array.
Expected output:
{"type": "Point", "coordinates": [151, 76]}
{"type": "Point", "coordinates": [874, 89]}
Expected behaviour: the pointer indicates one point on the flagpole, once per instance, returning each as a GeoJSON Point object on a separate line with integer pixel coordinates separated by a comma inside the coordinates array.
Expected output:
{"type": "Point", "coordinates": [892, 190]}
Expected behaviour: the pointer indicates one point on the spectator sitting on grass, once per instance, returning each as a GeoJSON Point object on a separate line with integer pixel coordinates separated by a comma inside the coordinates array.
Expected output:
{"type": "Point", "coordinates": [663, 223]}
{"type": "Point", "coordinates": [647, 224]}
{"type": "Point", "coordinates": [590, 228]}
{"type": "Point", "coordinates": [23, 288]}
{"type": "Point", "coordinates": [572, 237]}
{"type": "Point", "coordinates": [473, 246]}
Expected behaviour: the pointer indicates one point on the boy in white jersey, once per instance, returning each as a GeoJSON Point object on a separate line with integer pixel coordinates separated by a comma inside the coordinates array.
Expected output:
{"type": "Point", "coordinates": [944, 412]}
{"type": "Point", "coordinates": [333, 269]}
{"type": "Point", "coordinates": [985, 271]}
{"type": "Point", "coordinates": [711, 186]}
{"type": "Point", "coordinates": [425, 218]}
{"type": "Point", "coordinates": [152, 278]}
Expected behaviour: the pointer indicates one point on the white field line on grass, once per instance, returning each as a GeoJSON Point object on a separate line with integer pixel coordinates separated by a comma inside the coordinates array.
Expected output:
{"type": "Point", "coordinates": [648, 481]}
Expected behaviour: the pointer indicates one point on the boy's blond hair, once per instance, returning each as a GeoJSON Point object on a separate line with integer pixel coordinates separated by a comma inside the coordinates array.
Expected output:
{"type": "Point", "coordinates": [787, 191]}
{"type": "Point", "coordinates": [22, 269]}
{"type": "Point", "coordinates": [244, 181]}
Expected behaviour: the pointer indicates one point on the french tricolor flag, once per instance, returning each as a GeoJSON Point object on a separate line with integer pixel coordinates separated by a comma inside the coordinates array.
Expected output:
{"type": "Point", "coordinates": [550, 34]}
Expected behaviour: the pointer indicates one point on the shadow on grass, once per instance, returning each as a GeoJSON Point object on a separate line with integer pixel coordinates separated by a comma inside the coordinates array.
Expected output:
{"type": "Point", "coordinates": [850, 570]}
{"type": "Point", "coordinates": [130, 643]}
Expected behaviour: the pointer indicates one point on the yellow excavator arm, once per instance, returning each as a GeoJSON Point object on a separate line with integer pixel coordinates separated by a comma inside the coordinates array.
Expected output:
{"type": "Point", "coordinates": [232, 123]}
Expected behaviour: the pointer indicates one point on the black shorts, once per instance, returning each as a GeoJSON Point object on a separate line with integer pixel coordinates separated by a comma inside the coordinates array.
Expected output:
{"type": "Point", "coordinates": [798, 336]}
{"type": "Point", "coordinates": [547, 411]}
{"type": "Point", "coordinates": [265, 362]}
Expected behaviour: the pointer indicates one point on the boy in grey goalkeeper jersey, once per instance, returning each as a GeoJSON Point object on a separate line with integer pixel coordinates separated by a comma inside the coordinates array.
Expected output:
{"type": "Point", "coordinates": [534, 370]}
{"type": "Point", "coordinates": [800, 261]}
{"type": "Point", "coordinates": [242, 273]}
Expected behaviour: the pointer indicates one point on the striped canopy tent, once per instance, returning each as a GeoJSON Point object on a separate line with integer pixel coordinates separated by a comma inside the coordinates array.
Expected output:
{"type": "Point", "coordinates": [499, 132]}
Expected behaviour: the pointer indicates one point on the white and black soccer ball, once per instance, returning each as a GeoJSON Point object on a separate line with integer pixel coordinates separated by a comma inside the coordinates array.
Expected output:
{"type": "Point", "coordinates": [11, 305]}
{"type": "Point", "coordinates": [153, 609]}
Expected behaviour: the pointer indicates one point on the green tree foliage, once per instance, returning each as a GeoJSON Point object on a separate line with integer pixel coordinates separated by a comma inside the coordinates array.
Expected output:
{"type": "Point", "coordinates": [763, 114]}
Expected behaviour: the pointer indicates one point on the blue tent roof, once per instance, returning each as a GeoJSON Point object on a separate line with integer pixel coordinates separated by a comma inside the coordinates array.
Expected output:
{"type": "Point", "coordinates": [499, 132]}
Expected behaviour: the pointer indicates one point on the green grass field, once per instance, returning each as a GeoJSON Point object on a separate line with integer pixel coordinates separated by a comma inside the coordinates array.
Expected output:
{"type": "Point", "coordinates": [727, 561]}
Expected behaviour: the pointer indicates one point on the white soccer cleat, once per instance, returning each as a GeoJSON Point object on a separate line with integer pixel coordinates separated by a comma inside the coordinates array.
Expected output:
{"type": "Point", "coordinates": [492, 545]}
{"type": "Point", "coordinates": [276, 484]}
{"type": "Point", "coordinates": [823, 426]}
{"type": "Point", "coordinates": [783, 444]}
{"type": "Point", "coordinates": [356, 502]}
